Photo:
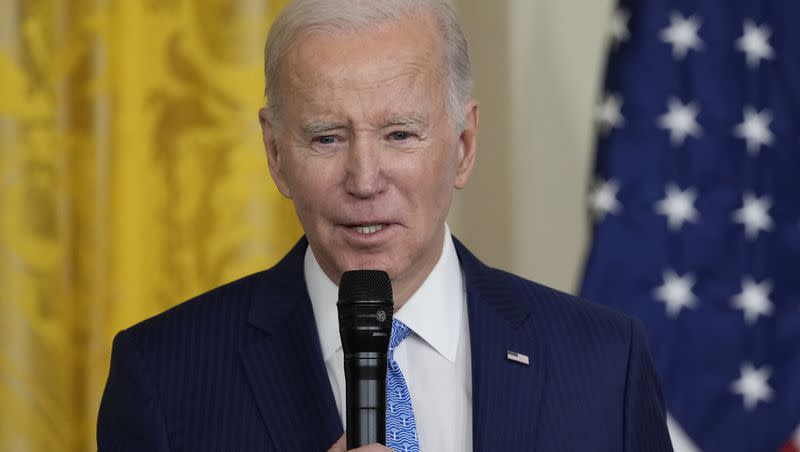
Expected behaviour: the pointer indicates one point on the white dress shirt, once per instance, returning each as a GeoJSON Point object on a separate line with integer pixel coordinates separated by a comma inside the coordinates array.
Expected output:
{"type": "Point", "coordinates": [434, 359]}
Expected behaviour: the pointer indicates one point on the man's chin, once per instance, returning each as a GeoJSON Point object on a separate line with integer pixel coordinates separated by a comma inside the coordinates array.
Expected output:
{"type": "Point", "coordinates": [368, 263]}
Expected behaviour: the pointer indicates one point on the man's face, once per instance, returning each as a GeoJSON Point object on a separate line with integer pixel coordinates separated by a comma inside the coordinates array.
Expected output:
{"type": "Point", "coordinates": [366, 150]}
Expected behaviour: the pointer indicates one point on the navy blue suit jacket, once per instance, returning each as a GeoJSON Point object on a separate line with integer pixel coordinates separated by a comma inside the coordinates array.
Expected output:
{"type": "Point", "coordinates": [240, 369]}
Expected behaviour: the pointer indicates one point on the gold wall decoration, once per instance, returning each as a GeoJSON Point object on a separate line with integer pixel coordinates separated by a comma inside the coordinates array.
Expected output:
{"type": "Point", "coordinates": [132, 177]}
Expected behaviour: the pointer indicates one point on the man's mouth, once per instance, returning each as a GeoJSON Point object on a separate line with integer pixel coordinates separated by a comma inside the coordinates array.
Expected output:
{"type": "Point", "coordinates": [368, 228]}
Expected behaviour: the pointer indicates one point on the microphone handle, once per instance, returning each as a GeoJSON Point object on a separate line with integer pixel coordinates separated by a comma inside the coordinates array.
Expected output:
{"type": "Point", "coordinates": [365, 377]}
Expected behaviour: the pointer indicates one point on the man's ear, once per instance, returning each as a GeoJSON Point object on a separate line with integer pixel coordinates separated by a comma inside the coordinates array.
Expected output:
{"type": "Point", "coordinates": [274, 155]}
{"type": "Point", "coordinates": [467, 144]}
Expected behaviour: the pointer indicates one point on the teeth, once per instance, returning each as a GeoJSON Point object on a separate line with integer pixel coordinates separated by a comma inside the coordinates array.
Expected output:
{"type": "Point", "coordinates": [369, 229]}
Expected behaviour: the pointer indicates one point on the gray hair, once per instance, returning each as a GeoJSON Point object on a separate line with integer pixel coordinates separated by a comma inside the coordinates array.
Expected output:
{"type": "Point", "coordinates": [308, 16]}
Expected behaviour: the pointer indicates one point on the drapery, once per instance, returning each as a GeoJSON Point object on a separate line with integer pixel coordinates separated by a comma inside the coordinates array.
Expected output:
{"type": "Point", "coordinates": [131, 178]}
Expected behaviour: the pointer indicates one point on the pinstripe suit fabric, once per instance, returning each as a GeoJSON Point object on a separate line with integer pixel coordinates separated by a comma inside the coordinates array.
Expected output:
{"type": "Point", "coordinates": [240, 369]}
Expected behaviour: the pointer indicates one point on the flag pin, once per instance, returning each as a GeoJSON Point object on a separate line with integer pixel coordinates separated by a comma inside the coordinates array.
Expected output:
{"type": "Point", "coordinates": [518, 358]}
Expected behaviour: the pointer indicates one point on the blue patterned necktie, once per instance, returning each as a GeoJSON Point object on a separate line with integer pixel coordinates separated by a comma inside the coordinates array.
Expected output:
{"type": "Point", "coordinates": [401, 428]}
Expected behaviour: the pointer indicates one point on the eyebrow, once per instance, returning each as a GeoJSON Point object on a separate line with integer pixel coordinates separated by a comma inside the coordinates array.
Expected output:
{"type": "Point", "coordinates": [314, 127]}
{"type": "Point", "coordinates": [412, 120]}
{"type": "Point", "coordinates": [317, 127]}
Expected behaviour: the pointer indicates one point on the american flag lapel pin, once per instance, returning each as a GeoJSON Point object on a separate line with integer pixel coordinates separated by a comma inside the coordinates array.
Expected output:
{"type": "Point", "coordinates": [518, 358]}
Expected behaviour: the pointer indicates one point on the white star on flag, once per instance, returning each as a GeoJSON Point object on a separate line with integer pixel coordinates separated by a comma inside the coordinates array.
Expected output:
{"type": "Point", "coordinates": [608, 113]}
{"type": "Point", "coordinates": [676, 292]}
{"type": "Point", "coordinates": [752, 385]}
{"type": "Point", "coordinates": [754, 215]}
{"type": "Point", "coordinates": [618, 28]}
{"type": "Point", "coordinates": [681, 121]}
{"type": "Point", "coordinates": [754, 300]}
{"type": "Point", "coordinates": [682, 34]}
{"type": "Point", "coordinates": [678, 206]}
{"type": "Point", "coordinates": [603, 199]}
{"type": "Point", "coordinates": [755, 129]}
{"type": "Point", "coordinates": [755, 43]}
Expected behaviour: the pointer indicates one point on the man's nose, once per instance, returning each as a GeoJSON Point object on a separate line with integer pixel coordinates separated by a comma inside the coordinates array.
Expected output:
{"type": "Point", "coordinates": [365, 176]}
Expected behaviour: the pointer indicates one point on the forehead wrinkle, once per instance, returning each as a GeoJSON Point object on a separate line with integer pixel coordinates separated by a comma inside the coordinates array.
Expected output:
{"type": "Point", "coordinates": [413, 73]}
{"type": "Point", "coordinates": [326, 92]}
{"type": "Point", "coordinates": [403, 111]}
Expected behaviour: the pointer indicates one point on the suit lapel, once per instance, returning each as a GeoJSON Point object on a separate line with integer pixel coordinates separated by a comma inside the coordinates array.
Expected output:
{"type": "Point", "coordinates": [506, 395]}
{"type": "Point", "coordinates": [284, 363]}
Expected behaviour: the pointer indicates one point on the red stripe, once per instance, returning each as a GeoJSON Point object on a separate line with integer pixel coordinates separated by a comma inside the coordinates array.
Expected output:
{"type": "Point", "coordinates": [790, 447]}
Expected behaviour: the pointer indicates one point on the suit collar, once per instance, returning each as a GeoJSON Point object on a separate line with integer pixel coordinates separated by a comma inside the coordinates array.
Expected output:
{"type": "Point", "coordinates": [282, 292]}
{"type": "Point", "coordinates": [491, 287]}
{"type": "Point", "coordinates": [284, 363]}
{"type": "Point", "coordinates": [506, 396]}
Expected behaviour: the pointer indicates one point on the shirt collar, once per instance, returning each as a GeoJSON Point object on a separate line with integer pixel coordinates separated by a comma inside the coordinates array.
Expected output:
{"type": "Point", "coordinates": [433, 312]}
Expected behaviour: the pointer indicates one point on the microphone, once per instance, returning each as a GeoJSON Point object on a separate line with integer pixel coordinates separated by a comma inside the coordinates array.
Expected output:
{"type": "Point", "coordinates": [365, 324]}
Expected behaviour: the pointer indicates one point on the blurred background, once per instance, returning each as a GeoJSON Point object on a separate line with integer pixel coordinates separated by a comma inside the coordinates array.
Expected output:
{"type": "Point", "coordinates": [132, 177]}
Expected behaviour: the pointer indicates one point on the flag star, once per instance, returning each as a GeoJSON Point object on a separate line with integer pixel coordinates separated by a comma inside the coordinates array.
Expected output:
{"type": "Point", "coordinates": [608, 114]}
{"type": "Point", "coordinates": [680, 120]}
{"type": "Point", "coordinates": [752, 385]}
{"type": "Point", "coordinates": [753, 215]}
{"type": "Point", "coordinates": [678, 206]}
{"type": "Point", "coordinates": [676, 292]}
{"type": "Point", "coordinates": [755, 129]}
{"type": "Point", "coordinates": [619, 26]}
{"type": "Point", "coordinates": [603, 199]}
{"type": "Point", "coordinates": [754, 43]}
{"type": "Point", "coordinates": [682, 34]}
{"type": "Point", "coordinates": [754, 300]}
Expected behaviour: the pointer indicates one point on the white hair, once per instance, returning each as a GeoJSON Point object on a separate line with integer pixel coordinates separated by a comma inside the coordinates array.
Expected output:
{"type": "Point", "coordinates": [309, 16]}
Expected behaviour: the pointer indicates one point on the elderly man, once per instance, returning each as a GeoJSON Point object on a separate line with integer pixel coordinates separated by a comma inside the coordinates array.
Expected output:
{"type": "Point", "coordinates": [370, 127]}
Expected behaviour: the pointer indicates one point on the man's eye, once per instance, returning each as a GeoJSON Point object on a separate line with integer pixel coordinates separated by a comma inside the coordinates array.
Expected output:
{"type": "Point", "coordinates": [399, 136]}
{"type": "Point", "coordinates": [326, 139]}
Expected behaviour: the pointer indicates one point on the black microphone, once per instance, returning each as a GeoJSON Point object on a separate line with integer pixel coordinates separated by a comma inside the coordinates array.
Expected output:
{"type": "Point", "coordinates": [365, 325]}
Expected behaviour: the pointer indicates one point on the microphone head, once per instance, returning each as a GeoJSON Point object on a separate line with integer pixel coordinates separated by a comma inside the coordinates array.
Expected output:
{"type": "Point", "coordinates": [365, 309]}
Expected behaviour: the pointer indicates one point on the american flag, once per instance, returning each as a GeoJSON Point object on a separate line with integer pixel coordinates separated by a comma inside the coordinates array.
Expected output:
{"type": "Point", "coordinates": [696, 203]}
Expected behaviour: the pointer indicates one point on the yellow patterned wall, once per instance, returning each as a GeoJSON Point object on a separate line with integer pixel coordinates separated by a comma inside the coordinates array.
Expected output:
{"type": "Point", "coordinates": [131, 178]}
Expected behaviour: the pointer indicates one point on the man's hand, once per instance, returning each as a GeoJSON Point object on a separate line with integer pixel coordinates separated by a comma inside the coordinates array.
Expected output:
{"type": "Point", "coordinates": [341, 446]}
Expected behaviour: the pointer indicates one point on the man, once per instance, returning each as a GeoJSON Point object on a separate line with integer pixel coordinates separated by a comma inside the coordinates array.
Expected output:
{"type": "Point", "coordinates": [370, 127]}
